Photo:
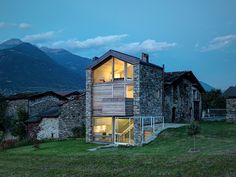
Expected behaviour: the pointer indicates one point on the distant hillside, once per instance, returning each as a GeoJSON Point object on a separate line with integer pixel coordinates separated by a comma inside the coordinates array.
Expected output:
{"type": "Point", "coordinates": [24, 67]}
{"type": "Point", "coordinates": [68, 60]}
{"type": "Point", "coordinates": [206, 86]}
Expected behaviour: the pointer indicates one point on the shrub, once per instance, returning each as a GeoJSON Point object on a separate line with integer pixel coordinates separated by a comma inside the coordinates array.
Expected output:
{"type": "Point", "coordinates": [79, 132]}
{"type": "Point", "coordinates": [19, 126]}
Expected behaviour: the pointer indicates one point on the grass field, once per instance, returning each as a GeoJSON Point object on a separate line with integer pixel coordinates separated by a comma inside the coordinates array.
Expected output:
{"type": "Point", "coordinates": [167, 156]}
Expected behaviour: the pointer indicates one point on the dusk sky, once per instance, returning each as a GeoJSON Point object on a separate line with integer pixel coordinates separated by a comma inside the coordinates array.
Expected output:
{"type": "Point", "coordinates": [192, 35]}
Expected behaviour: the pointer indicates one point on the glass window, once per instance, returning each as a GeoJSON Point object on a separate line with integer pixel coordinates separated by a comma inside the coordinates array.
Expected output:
{"type": "Point", "coordinates": [129, 91]}
{"type": "Point", "coordinates": [119, 70]}
{"type": "Point", "coordinates": [102, 129]}
{"type": "Point", "coordinates": [130, 71]}
{"type": "Point", "coordinates": [103, 73]}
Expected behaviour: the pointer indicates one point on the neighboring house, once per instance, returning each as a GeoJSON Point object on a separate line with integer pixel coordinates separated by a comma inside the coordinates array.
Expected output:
{"type": "Point", "coordinates": [122, 91]}
{"type": "Point", "coordinates": [32, 103]}
{"type": "Point", "coordinates": [230, 95]}
{"type": "Point", "coordinates": [55, 113]}
{"type": "Point", "coordinates": [182, 97]}
{"type": "Point", "coordinates": [58, 121]}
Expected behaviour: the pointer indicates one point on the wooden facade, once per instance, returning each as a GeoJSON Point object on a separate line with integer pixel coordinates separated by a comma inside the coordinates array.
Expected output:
{"type": "Point", "coordinates": [109, 99]}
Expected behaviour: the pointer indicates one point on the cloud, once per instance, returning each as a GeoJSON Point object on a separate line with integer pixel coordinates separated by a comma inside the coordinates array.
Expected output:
{"type": "Point", "coordinates": [90, 43]}
{"type": "Point", "coordinates": [147, 45]}
{"type": "Point", "coordinates": [24, 25]}
{"type": "Point", "coordinates": [2, 25]}
{"type": "Point", "coordinates": [41, 37]}
{"type": "Point", "coordinates": [219, 43]}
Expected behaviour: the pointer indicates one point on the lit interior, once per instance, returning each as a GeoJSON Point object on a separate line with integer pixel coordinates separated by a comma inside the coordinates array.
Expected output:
{"type": "Point", "coordinates": [104, 72]}
{"type": "Point", "coordinates": [119, 69]}
{"type": "Point", "coordinates": [103, 128]}
{"type": "Point", "coordinates": [129, 91]}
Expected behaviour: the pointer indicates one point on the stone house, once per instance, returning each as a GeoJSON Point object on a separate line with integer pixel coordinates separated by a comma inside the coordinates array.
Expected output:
{"type": "Point", "coordinates": [57, 122]}
{"type": "Point", "coordinates": [46, 109]}
{"type": "Point", "coordinates": [230, 95]}
{"type": "Point", "coordinates": [127, 98]}
{"type": "Point", "coordinates": [182, 97]}
{"type": "Point", "coordinates": [121, 92]}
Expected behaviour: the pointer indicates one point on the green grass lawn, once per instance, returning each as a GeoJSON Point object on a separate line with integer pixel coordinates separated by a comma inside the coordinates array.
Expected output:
{"type": "Point", "coordinates": [167, 156]}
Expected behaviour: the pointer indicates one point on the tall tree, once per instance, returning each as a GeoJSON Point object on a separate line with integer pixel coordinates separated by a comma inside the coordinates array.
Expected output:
{"type": "Point", "coordinates": [213, 100]}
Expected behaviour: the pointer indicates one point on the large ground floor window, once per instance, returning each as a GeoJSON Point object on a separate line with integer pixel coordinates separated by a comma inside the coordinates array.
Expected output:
{"type": "Point", "coordinates": [102, 129]}
{"type": "Point", "coordinates": [118, 130]}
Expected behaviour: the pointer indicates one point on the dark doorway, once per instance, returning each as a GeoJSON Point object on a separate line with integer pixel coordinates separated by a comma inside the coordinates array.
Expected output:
{"type": "Point", "coordinates": [196, 110]}
{"type": "Point", "coordinates": [173, 114]}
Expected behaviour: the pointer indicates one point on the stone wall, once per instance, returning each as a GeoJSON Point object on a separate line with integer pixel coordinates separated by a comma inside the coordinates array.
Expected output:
{"type": "Point", "coordinates": [72, 115]}
{"type": "Point", "coordinates": [49, 128]}
{"type": "Point", "coordinates": [180, 96]}
{"type": "Point", "coordinates": [39, 105]}
{"type": "Point", "coordinates": [148, 85]}
{"type": "Point", "coordinates": [14, 106]}
{"type": "Point", "coordinates": [231, 110]}
{"type": "Point", "coordinates": [89, 136]}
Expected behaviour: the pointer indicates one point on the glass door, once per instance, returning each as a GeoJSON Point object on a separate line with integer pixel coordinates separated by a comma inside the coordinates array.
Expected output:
{"type": "Point", "coordinates": [124, 130]}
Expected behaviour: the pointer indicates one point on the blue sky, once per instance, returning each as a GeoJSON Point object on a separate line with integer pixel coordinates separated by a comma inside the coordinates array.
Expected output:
{"type": "Point", "coordinates": [184, 35]}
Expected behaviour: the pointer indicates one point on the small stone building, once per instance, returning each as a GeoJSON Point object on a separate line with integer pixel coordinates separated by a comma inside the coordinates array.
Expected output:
{"type": "Point", "coordinates": [55, 113]}
{"type": "Point", "coordinates": [57, 122]}
{"type": "Point", "coordinates": [182, 97]}
{"type": "Point", "coordinates": [230, 95]}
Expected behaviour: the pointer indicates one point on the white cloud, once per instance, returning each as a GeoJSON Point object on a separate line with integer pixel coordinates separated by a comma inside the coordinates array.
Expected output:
{"type": "Point", "coordinates": [91, 42]}
{"type": "Point", "coordinates": [147, 45]}
{"type": "Point", "coordinates": [3, 24]}
{"type": "Point", "coordinates": [41, 37]}
{"type": "Point", "coordinates": [219, 43]}
{"type": "Point", "coordinates": [24, 25]}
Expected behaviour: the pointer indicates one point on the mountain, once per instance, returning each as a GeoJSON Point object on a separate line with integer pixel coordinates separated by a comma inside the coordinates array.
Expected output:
{"type": "Point", "coordinates": [10, 43]}
{"type": "Point", "coordinates": [206, 86]}
{"type": "Point", "coordinates": [68, 60]}
{"type": "Point", "coordinates": [24, 67]}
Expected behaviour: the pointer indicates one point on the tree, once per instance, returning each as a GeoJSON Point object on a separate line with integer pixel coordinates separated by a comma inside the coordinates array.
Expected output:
{"type": "Point", "coordinates": [213, 100]}
{"type": "Point", "coordinates": [19, 126]}
{"type": "Point", "coordinates": [33, 133]}
{"type": "Point", "coordinates": [193, 130]}
{"type": "Point", "coordinates": [3, 107]}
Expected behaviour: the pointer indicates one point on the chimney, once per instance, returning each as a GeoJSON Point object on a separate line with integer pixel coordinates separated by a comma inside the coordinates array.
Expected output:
{"type": "Point", "coordinates": [94, 58]}
{"type": "Point", "coordinates": [145, 57]}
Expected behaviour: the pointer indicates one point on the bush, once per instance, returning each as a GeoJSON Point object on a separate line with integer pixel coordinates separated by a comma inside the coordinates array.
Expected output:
{"type": "Point", "coordinates": [79, 132]}
{"type": "Point", "coordinates": [19, 126]}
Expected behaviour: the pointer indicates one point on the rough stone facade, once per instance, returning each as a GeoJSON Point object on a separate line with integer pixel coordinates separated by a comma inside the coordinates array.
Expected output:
{"type": "Point", "coordinates": [39, 105]}
{"type": "Point", "coordinates": [179, 100]}
{"type": "Point", "coordinates": [72, 115]}
{"type": "Point", "coordinates": [14, 106]}
{"type": "Point", "coordinates": [88, 123]}
{"type": "Point", "coordinates": [231, 110]}
{"type": "Point", "coordinates": [148, 89]}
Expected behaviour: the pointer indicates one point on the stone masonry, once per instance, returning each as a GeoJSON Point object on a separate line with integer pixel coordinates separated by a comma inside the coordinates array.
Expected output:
{"type": "Point", "coordinates": [231, 110]}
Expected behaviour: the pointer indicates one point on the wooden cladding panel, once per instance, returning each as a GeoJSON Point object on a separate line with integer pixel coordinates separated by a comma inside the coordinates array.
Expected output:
{"type": "Point", "coordinates": [109, 99]}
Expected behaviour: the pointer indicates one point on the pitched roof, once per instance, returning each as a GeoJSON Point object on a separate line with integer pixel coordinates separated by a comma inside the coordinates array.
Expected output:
{"type": "Point", "coordinates": [69, 93]}
{"type": "Point", "coordinates": [52, 112]}
{"type": "Point", "coordinates": [230, 92]}
{"type": "Point", "coordinates": [122, 56]}
{"type": "Point", "coordinates": [34, 95]}
{"type": "Point", "coordinates": [174, 77]}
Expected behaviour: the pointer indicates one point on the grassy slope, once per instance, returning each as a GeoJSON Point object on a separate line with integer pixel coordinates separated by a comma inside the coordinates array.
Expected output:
{"type": "Point", "coordinates": [167, 156]}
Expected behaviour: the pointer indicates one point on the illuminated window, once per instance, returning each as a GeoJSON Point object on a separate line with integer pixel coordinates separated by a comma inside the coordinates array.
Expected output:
{"type": "Point", "coordinates": [119, 70]}
{"type": "Point", "coordinates": [129, 91]}
{"type": "Point", "coordinates": [102, 129]}
{"type": "Point", "coordinates": [129, 71]}
{"type": "Point", "coordinates": [103, 73]}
